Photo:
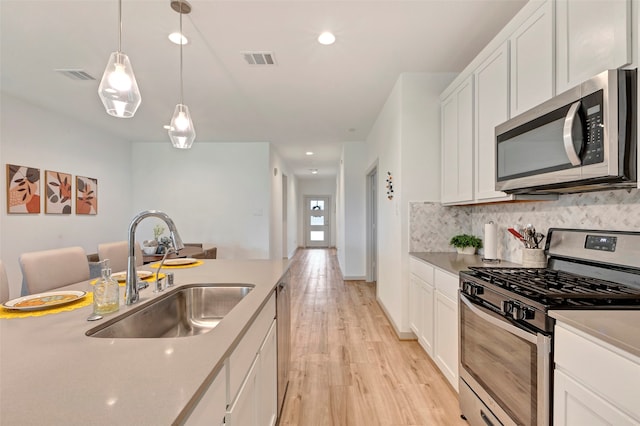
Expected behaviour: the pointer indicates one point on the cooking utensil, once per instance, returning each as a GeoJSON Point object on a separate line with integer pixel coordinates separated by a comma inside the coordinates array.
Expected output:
{"type": "Point", "coordinates": [516, 234]}
{"type": "Point", "coordinates": [538, 239]}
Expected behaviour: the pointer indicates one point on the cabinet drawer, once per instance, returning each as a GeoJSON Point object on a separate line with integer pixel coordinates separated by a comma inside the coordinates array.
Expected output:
{"type": "Point", "coordinates": [609, 374]}
{"type": "Point", "coordinates": [421, 269]}
{"type": "Point", "coordinates": [447, 284]}
{"type": "Point", "coordinates": [243, 355]}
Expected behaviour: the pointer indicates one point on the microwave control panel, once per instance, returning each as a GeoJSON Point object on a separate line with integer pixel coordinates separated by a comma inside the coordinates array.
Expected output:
{"type": "Point", "coordinates": [593, 150]}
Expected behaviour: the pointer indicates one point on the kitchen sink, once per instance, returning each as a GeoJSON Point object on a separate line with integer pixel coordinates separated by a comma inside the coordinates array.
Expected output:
{"type": "Point", "coordinates": [186, 311]}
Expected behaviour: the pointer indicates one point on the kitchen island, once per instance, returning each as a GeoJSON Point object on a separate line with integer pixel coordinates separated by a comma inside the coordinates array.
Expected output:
{"type": "Point", "coordinates": [52, 373]}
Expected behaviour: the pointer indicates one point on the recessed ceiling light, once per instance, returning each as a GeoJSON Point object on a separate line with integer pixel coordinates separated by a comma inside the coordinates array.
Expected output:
{"type": "Point", "coordinates": [178, 38]}
{"type": "Point", "coordinates": [309, 152]}
{"type": "Point", "coordinates": [314, 171]}
{"type": "Point", "coordinates": [326, 38]}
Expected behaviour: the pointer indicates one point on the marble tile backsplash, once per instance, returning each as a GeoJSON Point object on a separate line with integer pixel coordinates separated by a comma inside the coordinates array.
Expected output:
{"type": "Point", "coordinates": [432, 225]}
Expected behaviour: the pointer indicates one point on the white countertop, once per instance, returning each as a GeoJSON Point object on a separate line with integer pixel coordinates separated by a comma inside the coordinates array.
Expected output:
{"type": "Point", "coordinates": [454, 263]}
{"type": "Point", "coordinates": [620, 328]}
{"type": "Point", "coordinates": [52, 373]}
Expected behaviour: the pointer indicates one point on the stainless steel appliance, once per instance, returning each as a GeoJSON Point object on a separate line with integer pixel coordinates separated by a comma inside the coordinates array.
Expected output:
{"type": "Point", "coordinates": [283, 317]}
{"type": "Point", "coordinates": [506, 334]}
{"type": "Point", "coordinates": [581, 140]}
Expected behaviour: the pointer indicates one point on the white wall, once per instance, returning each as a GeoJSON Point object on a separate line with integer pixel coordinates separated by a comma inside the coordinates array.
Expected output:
{"type": "Point", "coordinates": [405, 140]}
{"type": "Point", "coordinates": [216, 193]}
{"type": "Point", "coordinates": [352, 242]}
{"type": "Point", "coordinates": [316, 186]}
{"type": "Point", "coordinates": [34, 137]}
{"type": "Point", "coordinates": [278, 247]}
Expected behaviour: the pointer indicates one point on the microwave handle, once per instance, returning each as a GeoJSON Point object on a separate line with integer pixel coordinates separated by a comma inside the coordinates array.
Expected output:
{"type": "Point", "coordinates": [567, 133]}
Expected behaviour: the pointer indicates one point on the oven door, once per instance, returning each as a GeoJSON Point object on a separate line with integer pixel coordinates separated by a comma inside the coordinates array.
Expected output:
{"type": "Point", "coordinates": [506, 367]}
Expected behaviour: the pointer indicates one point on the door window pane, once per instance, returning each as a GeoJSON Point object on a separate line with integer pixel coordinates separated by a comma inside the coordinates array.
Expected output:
{"type": "Point", "coordinates": [316, 205]}
{"type": "Point", "coordinates": [317, 235]}
{"type": "Point", "coordinates": [317, 221]}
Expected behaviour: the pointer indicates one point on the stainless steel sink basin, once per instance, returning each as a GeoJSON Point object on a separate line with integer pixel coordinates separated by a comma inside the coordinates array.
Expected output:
{"type": "Point", "coordinates": [186, 311]}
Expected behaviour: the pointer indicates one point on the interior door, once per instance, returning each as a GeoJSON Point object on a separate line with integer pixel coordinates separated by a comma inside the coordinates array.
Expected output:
{"type": "Point", "coordinates": [317, 229]}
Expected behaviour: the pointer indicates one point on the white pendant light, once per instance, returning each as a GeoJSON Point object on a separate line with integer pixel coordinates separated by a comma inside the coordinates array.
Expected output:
{"type": "Point", "coordinates": [181, 130]}
{"type": "Point", "coordinates": [118, 88]}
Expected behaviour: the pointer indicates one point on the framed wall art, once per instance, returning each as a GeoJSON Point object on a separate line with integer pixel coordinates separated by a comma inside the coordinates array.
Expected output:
{"type": "Point", "coordinates": [23, 189]}
{"type": "Point", "coordinates": [86, 195]}
{"type": "Point", "coordinates": [57, 192]}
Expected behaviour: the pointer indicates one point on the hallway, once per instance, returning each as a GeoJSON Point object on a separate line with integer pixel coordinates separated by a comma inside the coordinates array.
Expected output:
{"type": "Point", "coordinates": [347, 365]}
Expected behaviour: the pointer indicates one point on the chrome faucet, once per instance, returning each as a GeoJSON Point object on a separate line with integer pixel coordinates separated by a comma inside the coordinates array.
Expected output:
{"type": "Point", "coordinates": [131, 294]}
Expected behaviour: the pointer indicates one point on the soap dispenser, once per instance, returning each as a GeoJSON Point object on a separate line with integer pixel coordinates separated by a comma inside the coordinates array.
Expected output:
{"type": "Point", "coordinates": [106, 292]}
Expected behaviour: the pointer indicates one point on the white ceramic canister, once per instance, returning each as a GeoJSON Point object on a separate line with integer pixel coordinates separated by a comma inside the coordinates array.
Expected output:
{"type": "Point", "coordinates": [534, 258]}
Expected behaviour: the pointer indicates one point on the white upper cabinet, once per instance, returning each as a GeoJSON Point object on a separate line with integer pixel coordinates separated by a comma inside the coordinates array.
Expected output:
{"type": "Point", "coordinates": [531, 47]}
{"type": "Point", "coordinates": [591, 37]}
{"type": "Point", "coordinates": [492, 108]}
{"type": "Point", "coordinates": [457, 144]}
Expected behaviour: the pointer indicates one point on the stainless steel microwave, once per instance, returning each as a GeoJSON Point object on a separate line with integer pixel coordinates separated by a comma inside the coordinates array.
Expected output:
{"type": "Point", "coordinates": [581, 140]}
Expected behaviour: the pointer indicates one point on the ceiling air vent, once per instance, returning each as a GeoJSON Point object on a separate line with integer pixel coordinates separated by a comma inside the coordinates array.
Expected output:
{"type": "Point", "coordinates": [75, 74]}
{"type": "Point", "coordinates": [259, 58]}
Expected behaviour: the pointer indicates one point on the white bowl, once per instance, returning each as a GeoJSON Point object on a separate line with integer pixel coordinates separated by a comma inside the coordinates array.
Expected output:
{"type": "Point", "coordinates": [149, 250]}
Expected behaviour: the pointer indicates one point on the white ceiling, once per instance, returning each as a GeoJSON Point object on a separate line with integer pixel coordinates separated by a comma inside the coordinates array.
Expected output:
{"type": "Point", "coordinates": [315, 98]}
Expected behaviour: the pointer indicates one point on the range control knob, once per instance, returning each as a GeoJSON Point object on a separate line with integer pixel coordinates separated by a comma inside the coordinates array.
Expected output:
{"type": "Point", "coordinates": [517, 311]}
{"type": "Point", "coordinates": [472, 289]}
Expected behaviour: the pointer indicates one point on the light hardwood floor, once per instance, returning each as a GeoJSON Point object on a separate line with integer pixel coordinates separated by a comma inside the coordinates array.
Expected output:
{"type": "Point", "coordinates": [347, 365]}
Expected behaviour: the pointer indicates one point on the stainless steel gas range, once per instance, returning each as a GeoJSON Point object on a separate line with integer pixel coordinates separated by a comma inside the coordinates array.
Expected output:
{"type": "Point", "coordinates": [506, 333]}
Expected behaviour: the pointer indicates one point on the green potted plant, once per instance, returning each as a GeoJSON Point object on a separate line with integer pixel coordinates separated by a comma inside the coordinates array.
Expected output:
{"type": "Point", "coordinates": [465, 243]}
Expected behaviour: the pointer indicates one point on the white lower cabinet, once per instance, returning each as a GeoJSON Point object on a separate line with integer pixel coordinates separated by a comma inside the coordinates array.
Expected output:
{"type": "Point", "coordinates": [212, 407]}
{"type": "Point", "coordinates": [594, 383]}
{"type": "Point", "coordinates": [256, 401]}
{"type": "Point", "coordinates": [446, 325]}
{"type": "Point", "coordinates": [575, 405]}
{"type": "Point", "coordinates": [420, 312]}
{"type": "Point", "coordinates": [244, 392]}
{"type": "Point", "coordinates": [433, 315]}
{"type": "Point", "coordinates": [244, 410]}
{"type": "Point", "coordinates": [267, 378]}
{"type": "Point", "coordinates": [253, 390]}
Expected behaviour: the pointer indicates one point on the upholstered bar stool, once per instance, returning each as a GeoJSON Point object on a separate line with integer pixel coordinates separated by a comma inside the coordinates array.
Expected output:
{"type": "Point", "coordinates": [4, 284]}
{"type": "Point", "coordinates": [49, 269]}
{"type": "Point", "coordinates": [118, 253]}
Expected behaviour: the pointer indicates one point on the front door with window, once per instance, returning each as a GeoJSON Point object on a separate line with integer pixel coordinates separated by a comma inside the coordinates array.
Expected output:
{"type": "Point", "coordinates": [317, 230]}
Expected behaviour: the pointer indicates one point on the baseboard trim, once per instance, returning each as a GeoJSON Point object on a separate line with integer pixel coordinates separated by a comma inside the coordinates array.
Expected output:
{"type": "Point", "coordinates": [402, 335]}
{"type": "Point", "coordinates": [355, 278]}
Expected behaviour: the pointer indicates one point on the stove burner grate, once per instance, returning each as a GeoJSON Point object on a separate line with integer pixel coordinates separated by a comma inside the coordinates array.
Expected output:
{"type": "Point", "coordinates": [554, 287]}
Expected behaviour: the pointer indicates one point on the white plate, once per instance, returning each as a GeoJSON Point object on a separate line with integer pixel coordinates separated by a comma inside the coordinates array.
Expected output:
{"type": "Point", "coordinates": [122, 276]}
{"type": "Point", "coordinates": [51, 299]}
{"type": "Point", "coordinates": [180, 261]}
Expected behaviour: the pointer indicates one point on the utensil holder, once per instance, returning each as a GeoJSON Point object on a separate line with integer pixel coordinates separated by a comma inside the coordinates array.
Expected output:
{"type": "Point", "coordinates": [534, 258]}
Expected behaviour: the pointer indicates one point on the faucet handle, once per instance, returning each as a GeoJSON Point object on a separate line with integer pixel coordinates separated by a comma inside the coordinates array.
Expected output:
{"type": "Point", "coordinates": [142, 285]}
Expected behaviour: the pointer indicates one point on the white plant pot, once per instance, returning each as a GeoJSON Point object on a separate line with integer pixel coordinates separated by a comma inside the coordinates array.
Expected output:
{"type": "Point", "coordinates": [466, 250]}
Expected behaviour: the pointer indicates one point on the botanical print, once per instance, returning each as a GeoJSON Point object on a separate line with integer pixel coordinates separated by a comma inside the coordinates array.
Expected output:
{"type": "Point", "coordinates": [23, 189]}
{"type": "Point", "coordinates": [86, 195]}
{"type": "Point", "coordinates": [58, 192]}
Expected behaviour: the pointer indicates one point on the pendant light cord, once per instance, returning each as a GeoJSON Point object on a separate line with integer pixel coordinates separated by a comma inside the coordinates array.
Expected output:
{"type": "Point", "coordinates": [181, 43]}
{"type": "Point", "coordinates": [120, 25]}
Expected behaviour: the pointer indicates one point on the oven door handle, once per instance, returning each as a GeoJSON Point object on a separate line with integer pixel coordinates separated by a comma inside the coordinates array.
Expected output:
{"type": "Point", "coordinates": [499, 322]}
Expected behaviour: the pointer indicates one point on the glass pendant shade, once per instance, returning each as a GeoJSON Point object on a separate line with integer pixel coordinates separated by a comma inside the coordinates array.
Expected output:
{"type": "Point", "coordinates": [118, 88]}
{"type": "Point", "coordinates": [181, 130]}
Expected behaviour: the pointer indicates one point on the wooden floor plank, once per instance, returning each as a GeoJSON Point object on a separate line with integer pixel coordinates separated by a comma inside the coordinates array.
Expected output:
{"type": "Point", "coordinates": [348, 367]}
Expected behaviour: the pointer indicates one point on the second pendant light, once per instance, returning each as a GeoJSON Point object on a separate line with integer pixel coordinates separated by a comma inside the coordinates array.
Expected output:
{"type": "Point", "coordinates": [181, 130]}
